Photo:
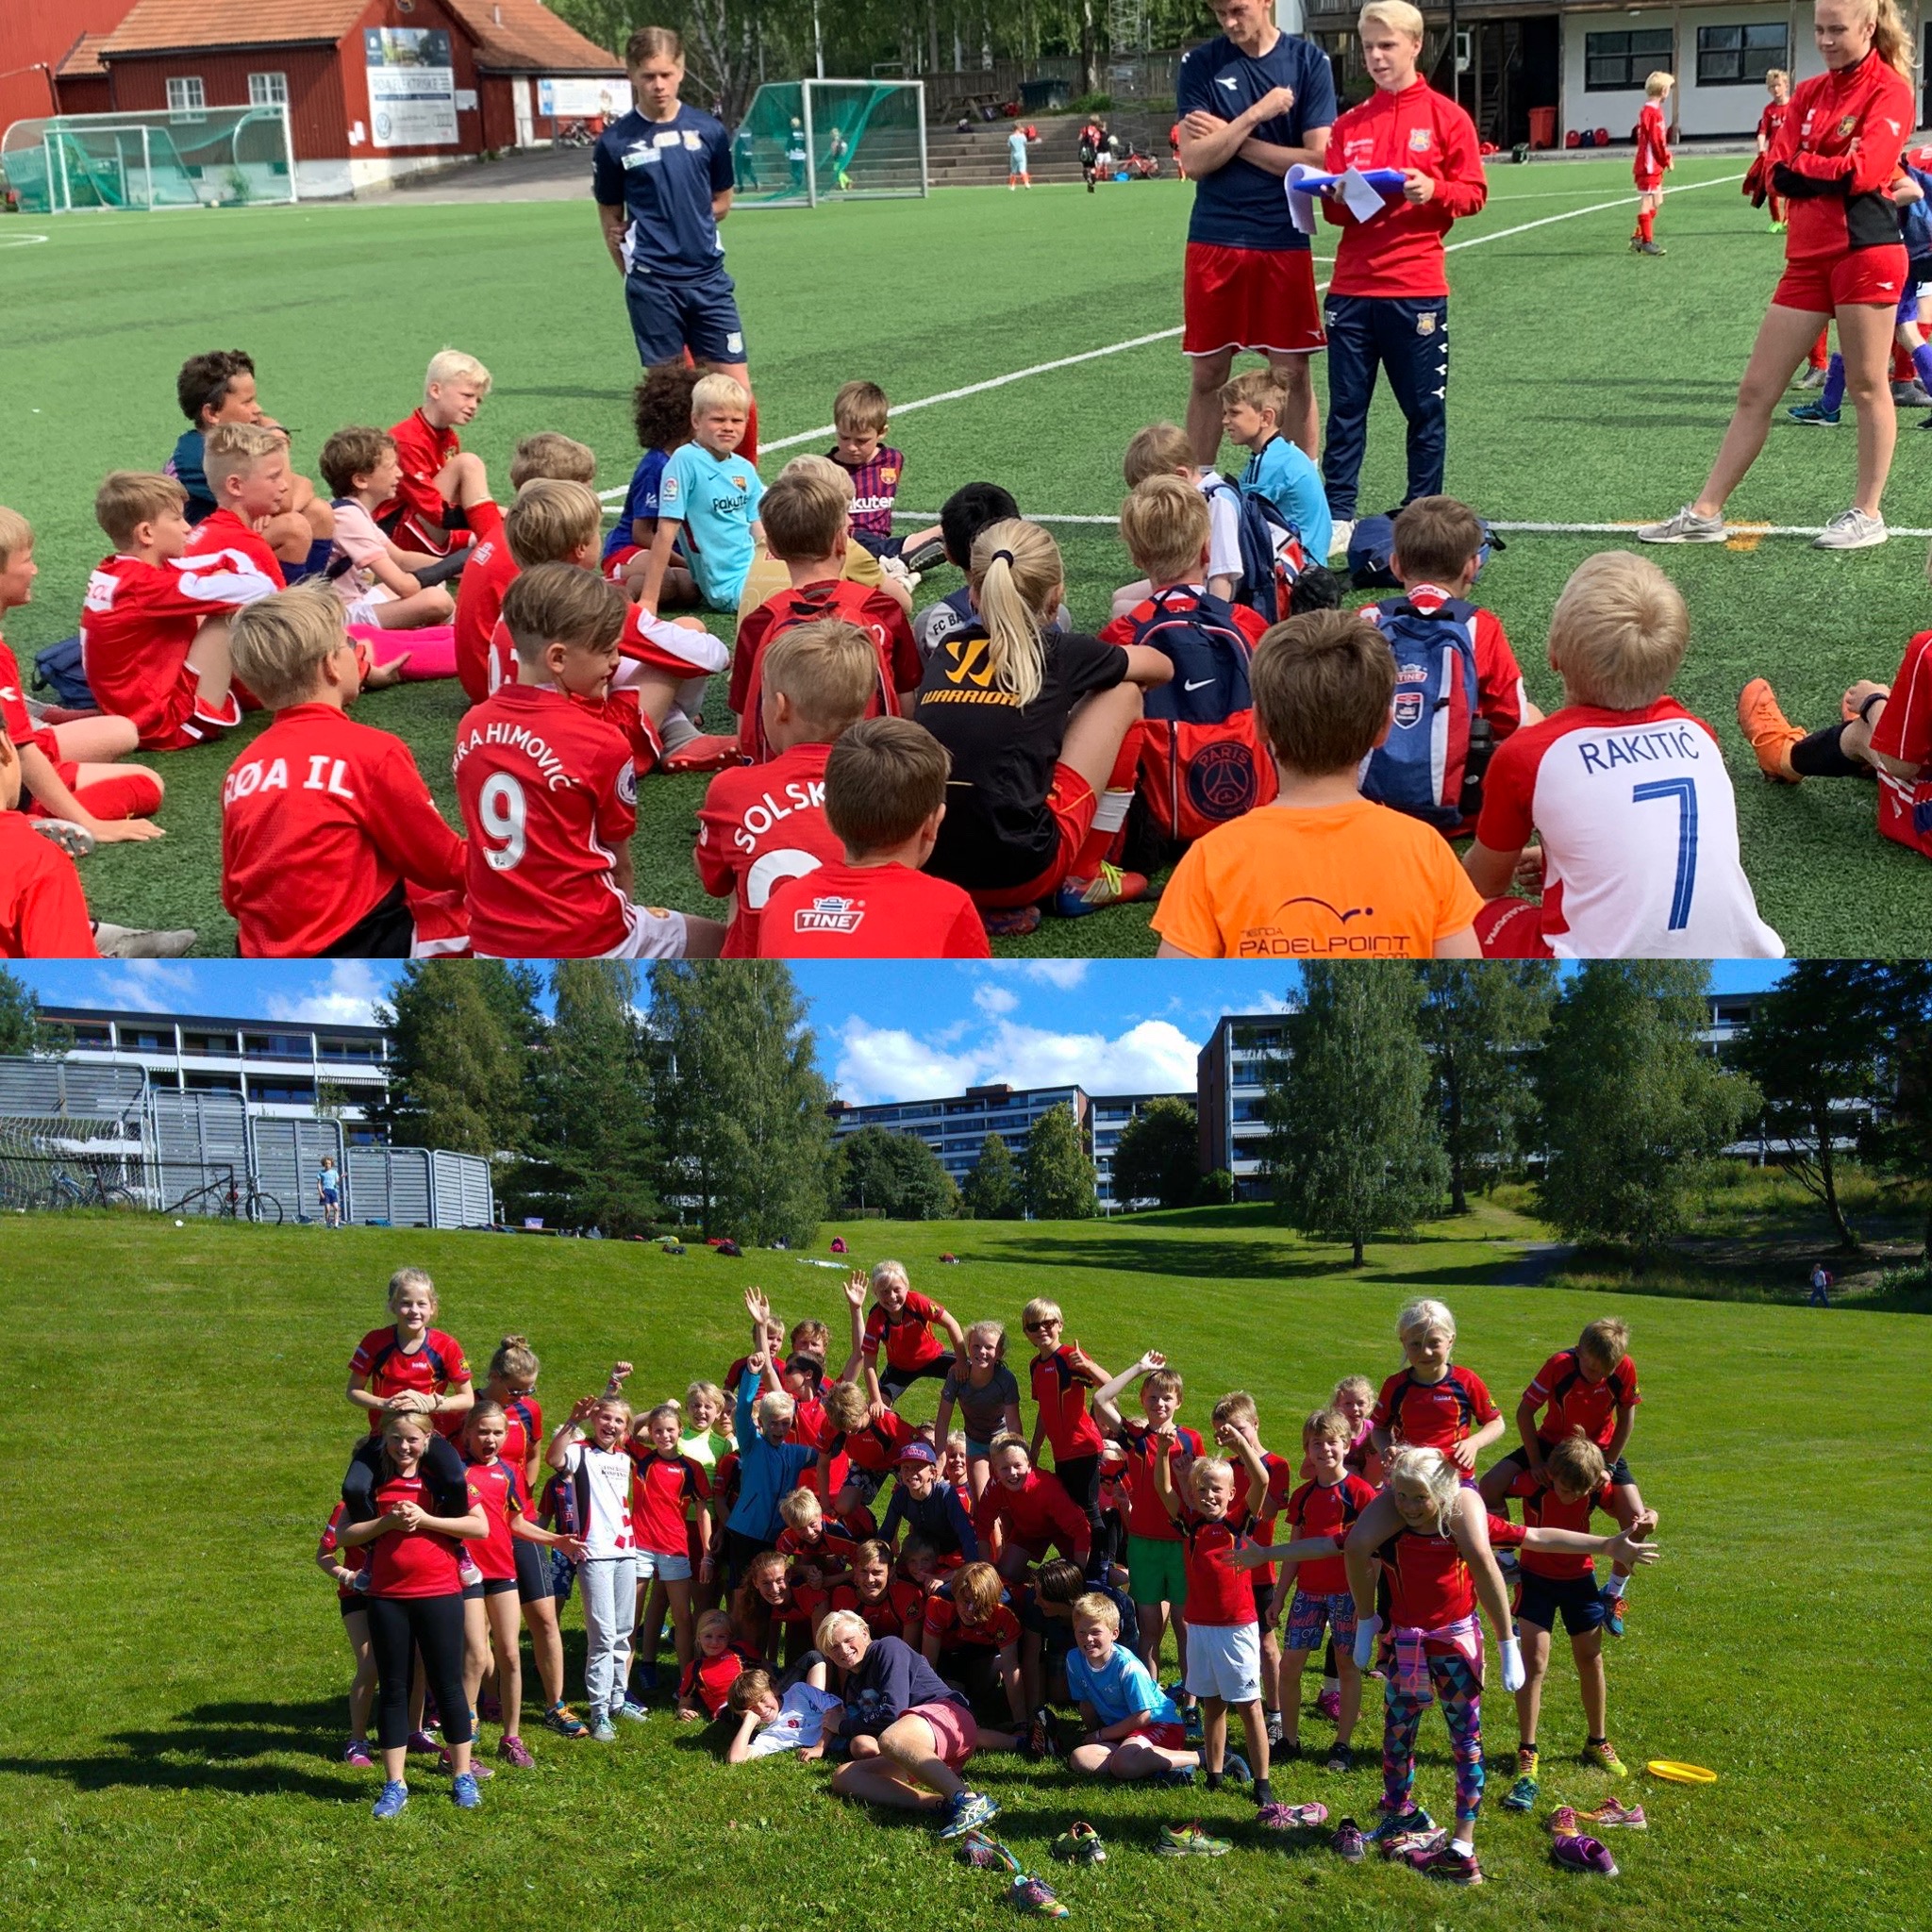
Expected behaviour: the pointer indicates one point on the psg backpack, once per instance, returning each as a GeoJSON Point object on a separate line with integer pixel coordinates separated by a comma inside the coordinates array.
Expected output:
{"type": "Point", "coordinates": [1271, 554]}
{"type": "Point", "coordinates": [1432, 762]}
{"type": "Point", "coordinates": [1202, 760]}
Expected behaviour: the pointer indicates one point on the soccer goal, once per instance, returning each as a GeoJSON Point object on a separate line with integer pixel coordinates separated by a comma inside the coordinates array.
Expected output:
{"type": "Point", "coordinates": [158, 159]}
{"type": "Point", "coordinates": [805, 141]}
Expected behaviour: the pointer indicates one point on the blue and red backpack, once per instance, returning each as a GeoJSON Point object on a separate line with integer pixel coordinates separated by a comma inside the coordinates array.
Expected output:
{"type": "Point", "coordinates": [1273, 558]}
{"type": "Point", "coordinates": [1439, 743]}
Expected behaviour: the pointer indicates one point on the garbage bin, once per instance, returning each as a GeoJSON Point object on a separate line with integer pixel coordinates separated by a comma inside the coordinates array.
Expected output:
{"type": "Point", "coordinates": [1542, 128]}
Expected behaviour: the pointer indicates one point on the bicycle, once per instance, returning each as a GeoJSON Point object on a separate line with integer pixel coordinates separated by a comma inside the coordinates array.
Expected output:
{"type": "Point", "coordinates": [96, 1190]}
{"type": "Point", "coordinates": [229, 1199]}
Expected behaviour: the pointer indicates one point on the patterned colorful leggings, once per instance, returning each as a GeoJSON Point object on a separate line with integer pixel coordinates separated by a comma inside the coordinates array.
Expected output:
{"type": "Point", "coordinates": [1459, 1687]}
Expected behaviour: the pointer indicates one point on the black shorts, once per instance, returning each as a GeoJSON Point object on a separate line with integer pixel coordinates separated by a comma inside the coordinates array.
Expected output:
{"type": "Point", "coordinates": [1540, 1600]}
{"type": "Point", "coordinates": [1517, 1463]}
{"type": "Point", "coordinates": [1264, 1595]}
{"type": "Point", "coordinates": [533, 1579]}
{"type": "Point", "coordinates": [355, 1600]}
{"type": "Point", "coordinates": [475, 1593]}
{"type": "Point", "coordinates": [496, 1586]}
{"type": "Point", "coordinates": [893, 1383]}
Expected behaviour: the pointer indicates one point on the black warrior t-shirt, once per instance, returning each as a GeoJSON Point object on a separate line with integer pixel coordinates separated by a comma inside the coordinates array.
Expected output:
{"type": "Point", "coordinates": [997, 832]}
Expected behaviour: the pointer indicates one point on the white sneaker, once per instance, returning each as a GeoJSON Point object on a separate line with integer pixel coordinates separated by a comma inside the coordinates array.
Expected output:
{"type": "Point", "coordinates": [1852, 529]}
{"type": "Point", "coordinates": [1687, 526]}
{"type": "Point", "coordinates": [1812, 378]}
{"type": "Point", "coordinates": [1339, 535]}
{"type": "Point", "coordinates": [135, 943]}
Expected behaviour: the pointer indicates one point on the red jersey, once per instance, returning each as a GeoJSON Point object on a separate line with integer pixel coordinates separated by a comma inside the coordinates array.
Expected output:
{"type": "Point", "coordinates": [876, 1448]}
{"type": "Point", "coordinates": [43, 910]}
{"type": "Point", "coordinates": [1061, 1382]}
{"type": "Point", "coordinates": [413, 1562]}
{"type": "Point", "coordinates": [1327, 1510]}
{"type": "Point", "coordinates": [1433, 1415]}
{"type": "Point", "coordinates": [843, 911]}
{"type": "Point", "coordinates": [1770, 123]}
{"type": "Point", "coordinates": [832, 1548]}
{"type": "Point", "coordinates": [320, 819]}
{"type": "Point", "coordinates": [1904, 733]}
{"type": "Point", "coordinates": [499, 1486]}
{"type": "Point", "coordinates": [1835, 156]}
{"type": "Point", "coordinates": [1429, 1583]}
{"type": "Point", "coordinates": [1219, 1594]}
{"type": "Point", "coordinates": [879, 616]}
{"type": "Point", "coordinates": [812, 1425]}
{"type": "Point", "coordinates": [1037, 1513]}
{"type": "Point", "coordinates": [908, 1337]}
{"type": "Point", "coordinates": [14, 714]}
{"type": "Point", "coordinates": [859, 1523]}
{"type": "Point", "coordinates": [1571, 1402]}
{"type": "Point", "coordinates": [549, 795]}
{"type": "Point", "coordinates": [1399, 251]}
{"type": "Point", "coordinates": [659, 1489]}
{"type": "Point", "coordinates": [522, 1434]}
{"type": "Point", "coordinates": [223, 541]}
{"type": "Point", "coordinates": [137, 625]}
{"type": "Point", "coordinates": [758, 827]}
{"type": "Point", "coordinates": [1274, 1500]}
{"type": "Point", "coordinates": [435, 1367]}
{"type": "Point", "coordinates": [1653, 144]}
{"type": "Point", "coordinates": [898, 1613]}
{"type": "Point", "coordinates": [1000, 1627]}
{"type": "Point", "coordinates": [421, 449]}
{"type": "Point", "coordinates": [488, 573]}
{"type": "Point", "coordinates": [1543, 1509]}
{"type": "Point", "coordinates": [708, 1680]}
{"type": "Point", "coordinates": [1146, 1514]}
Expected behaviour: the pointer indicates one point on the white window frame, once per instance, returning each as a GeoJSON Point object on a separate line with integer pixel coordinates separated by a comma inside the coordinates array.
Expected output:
{"type": "Point", "coordinates": [268, 90]}
{"type": "Point", "coordinates": [186, 93]}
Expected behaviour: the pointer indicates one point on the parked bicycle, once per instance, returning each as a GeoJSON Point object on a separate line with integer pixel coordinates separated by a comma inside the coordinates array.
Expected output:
{"type": "Point", "coordinates": [230, 1197]}
{"type": "Point", "coordinates": [91, 1187]}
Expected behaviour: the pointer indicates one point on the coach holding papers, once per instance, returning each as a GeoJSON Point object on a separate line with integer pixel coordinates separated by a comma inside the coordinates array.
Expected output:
{"type": "Point", "coordinates": [1252, 102]}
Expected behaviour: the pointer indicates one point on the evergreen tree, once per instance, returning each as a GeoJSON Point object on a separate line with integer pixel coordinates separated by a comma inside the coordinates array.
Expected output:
{"type": "Point", "coordinates": [1059, 1172]}
{"type": "Point", "coordinates": [896, 1175]}
{"type": "Point", "coordinates": [593, 1149]}
{"type": "Point", "coordinates": [460, 1066]}
{"type": "Point", "coordinates": [1898, 1138]}
{"type": "Point", "coordinates": [993, 1189]}
{"type": "Point", "coordinates": [1634, 1109]}
{"type": "Point", "coordinates": [740, 1103]}
{"type": "Point", "coordinates": [20, 1015]}
{"type": "Point", "coordinates": [1157, 1155]}
{"type": "Point", "coordinates": [1481, 1021]}
{"type": "Point", "coordinates": [1354, 1146]}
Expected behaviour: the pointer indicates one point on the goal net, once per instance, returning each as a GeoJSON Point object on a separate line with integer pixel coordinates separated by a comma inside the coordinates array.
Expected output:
{"type": "Point", "coordinates": [159, 159]}
{"type": "Point", "coordinates": [805, 141]}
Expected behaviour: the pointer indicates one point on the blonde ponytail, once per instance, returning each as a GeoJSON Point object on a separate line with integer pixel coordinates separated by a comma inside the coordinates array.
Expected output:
{"type": "Point", "coordinates": [1892, 36]}
{"type": "Point", "coordinates": [1017, 577]}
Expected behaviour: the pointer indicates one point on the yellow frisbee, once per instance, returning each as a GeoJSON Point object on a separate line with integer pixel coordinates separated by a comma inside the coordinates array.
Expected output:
{"type": "Point", "coordinates": [1672, 1773]}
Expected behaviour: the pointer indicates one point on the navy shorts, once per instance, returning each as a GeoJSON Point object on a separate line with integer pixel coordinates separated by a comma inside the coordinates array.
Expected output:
{"type": "Point", "coordinates": [1539, 1599]}
{"type": "Point", "coordinates": [698, 313]}
{"type": "Point", "coordinates": [879, 546]}
{"type": "Point", "coordinates": [534, 1582]}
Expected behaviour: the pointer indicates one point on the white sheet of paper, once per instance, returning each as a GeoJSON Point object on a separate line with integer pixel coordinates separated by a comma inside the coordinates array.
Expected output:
{"type": "Point", "coordinates": [1301, 207]}
{"type": "Point", "coordinates": [1364, 203]}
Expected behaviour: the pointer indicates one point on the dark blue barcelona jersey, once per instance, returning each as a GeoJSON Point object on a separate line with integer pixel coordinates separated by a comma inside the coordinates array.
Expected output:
{"type": "Point", "coordinates": [1240, 206]}
{"type": "Point", "coordinates": [663, 173]}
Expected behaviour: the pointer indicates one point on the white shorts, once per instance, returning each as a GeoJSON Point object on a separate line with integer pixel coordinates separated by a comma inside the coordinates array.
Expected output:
{"type": "Point", "coordinates": [655, 934]}
{"type": "Point", "coordinates": [1225, 1661]}
{"type": "Point", "coordinates": [662, 1564]}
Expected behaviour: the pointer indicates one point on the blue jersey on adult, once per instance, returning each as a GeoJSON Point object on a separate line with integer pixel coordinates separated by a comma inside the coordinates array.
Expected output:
{"type": "Point", "coordinates": [663, 173]}
{"type": "Point", "coordinates": [1239, 205]}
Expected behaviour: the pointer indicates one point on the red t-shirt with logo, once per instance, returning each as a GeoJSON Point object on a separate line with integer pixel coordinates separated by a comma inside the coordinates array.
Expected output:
{"type": "Point", "coordinates": [1220, 1596]}
{"type": "Point", "coordinates": [1571, 1402]}
{"type": "Point", "coordinates": [839, 911]}
{"type": "Point", "coordinates": [908, 1338]}
{"type": "Point", "coordinates": [999, 1628]}
{"type": "Point", "coordinates": [1146, 1514]}
{"type": "Point", "coordinates": [498, 1487]}
{"type": "Point", "coordinates": [435, 1367]}
{"type": "Point", "coordinates": [1543, 1509]}
{"type": "Point", "coordinates": [760, 827]}
{"type": "Point", "coordinates": [1327, 1510]}
{"type": "Point", "coordinates": [1433, 1415]}
{"type": "Point", "coordinates": [413, 1562]}
{"type": "Point", "coordinates": [660, 1488]}
{"type": "Point", "coordinates": [1061, 1382]}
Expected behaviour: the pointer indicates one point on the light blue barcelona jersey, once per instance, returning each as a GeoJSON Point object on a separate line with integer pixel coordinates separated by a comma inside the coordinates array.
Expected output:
{"type": "Point", "coordinates": [1118, 1691]}
{"type": "Point", "coordinates": [1281, 472]}
{"type": "Point", "coordinates": [1016, 153]}
{"type": "Point", "coordinates": [716, 502]}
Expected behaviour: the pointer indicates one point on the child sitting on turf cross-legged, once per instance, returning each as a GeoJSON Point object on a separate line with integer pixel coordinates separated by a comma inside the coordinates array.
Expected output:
{"type": "Point", "coordinates": [1625, 789]}
{"type": "Point", "coordinates": [769, 576]}
{"type": "Point", "coordinates": [439, 478]}
{"type": "Point", "coordinates": [885, 797]}
{"type": "Point", "coordinates": [1132, 1727]}
{"type": "Point", "coordinates": [361, 469]}
{"type": "Point", "coordinates": [708, 497]}
{"type": "Point", "coordinates": [860, 414]}
{"type": "Point", "coordinates": [1323, 872]}
{"type": "Point", "coordinates": [1252, 404]}
{"type": "Point", "coordinates": [1162, 449]}
{"type": "Point", "coordinates": [660, 414]}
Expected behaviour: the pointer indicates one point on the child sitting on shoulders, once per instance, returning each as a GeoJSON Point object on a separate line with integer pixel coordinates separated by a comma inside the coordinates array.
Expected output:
{"type": "Point", "coordinates": [884, 795]}
{"type": "Point", "coordinates": [707, 497]}
{"type": "Point", "coordinates": [771, 1719]}
{"type": "Point", "coordinates": [1434, 1402]}
{"type": "Point", "coordinates": [1323, 872]}
{"type": "Point", "coordinates": [1625, 789]}
{"type": "Point", "coordinates": [860, 416]}
{"type": "Point", "coordinates": [1162, 449]}
{"type": "Point", "coordinates": [763, 824]}
{"type": "Point", "coordinates": [660, 414]}
{"type": "Point", "coordinates": [1133, 1729]}
{"type": "Point", "coordinates": [326, 824]}
{"type": "Point", "coordinates": [439, 479]}
{"type": "Point", "coordinates": [804, 522]}
{"type": "Point", "coordinates": [361, 468]}
{"type": "Point", "coordinates": [1252, 405]}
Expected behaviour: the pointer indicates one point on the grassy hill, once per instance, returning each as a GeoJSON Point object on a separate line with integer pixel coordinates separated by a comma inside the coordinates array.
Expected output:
{"type": "Point", "coordinates": [175, 1676]}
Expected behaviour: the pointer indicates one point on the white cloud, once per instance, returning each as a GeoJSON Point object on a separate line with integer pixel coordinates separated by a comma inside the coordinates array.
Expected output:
{"type": "Point", "coordinates": [1064, 974]}
{"type": "Point", "coordinates": [346, 998]}
{"type": "Point", "coordinates": [890, 1063]}
{"type": "Point", "coordinates": [994, 1000]}
{"type": "Point", "coordinates": [1258, 1002]}
{"type": "Point", "coordinates": [149, 986]}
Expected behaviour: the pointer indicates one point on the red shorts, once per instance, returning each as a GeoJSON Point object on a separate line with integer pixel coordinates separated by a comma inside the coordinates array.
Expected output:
{"type": "Point", "coordinates": [184, 722]}
{"type": "Point", "coordinates": [1511, 930]}
{"type": "Point", "coordinates": [614, 563]}
{"type": "Point", "coordinates": [953, 1728]}
{"type": "Point", "coordinates": [1249, 298]}
{"type": "Point", "coordinates": [1648, 184]}
{"type": "Point", "coordinates": [1169, 1736]}
{"type": "Point", "coordinates": [1072, 802]}
{"type": "Point", "coordinates": [1874, 276]}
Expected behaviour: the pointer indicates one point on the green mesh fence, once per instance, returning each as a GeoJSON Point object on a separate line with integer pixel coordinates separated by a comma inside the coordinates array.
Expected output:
{"type": "Point", "coordinates": [207, 158]}
{"type": "Point", "coordinates": [805, 141]}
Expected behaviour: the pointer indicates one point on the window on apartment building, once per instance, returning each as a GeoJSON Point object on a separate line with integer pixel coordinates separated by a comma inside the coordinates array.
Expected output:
{"type": "Point", "coordinates": [147, 1040]}
{"type": "Point", "coordinates": [279, 1091]}
{"type": "Point", "coordinates": [1741, 56]}
{"type": "Point", "coordinates": [268, 90]}
{"type": "Point", "coordinates": [208, 1042]}
{"type": "Point", "coordinates": [211, 1082]}
{"type": "Point", "coordinates": [186, 95]}
{"type": "Point", "coordinates": [348, 1049]}
{"type": "Point", "coordinates": [88, 1032]}
{"type": "Point", "coordinates": [275, 1046]}
{"type": "Point", "coordinates": [1617, 63]}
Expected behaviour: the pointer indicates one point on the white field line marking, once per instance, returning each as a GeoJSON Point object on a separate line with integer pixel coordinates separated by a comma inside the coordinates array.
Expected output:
{"type": "Point", "coordinates": [1541, 530]}
{"type": "Point", "coordinates": [19, 240]}
{"type": "Point", "coordinates": [1167, 335]}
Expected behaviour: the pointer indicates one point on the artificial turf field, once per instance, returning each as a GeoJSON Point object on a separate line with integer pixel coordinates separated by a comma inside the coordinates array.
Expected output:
{"type": "Point", "coordinates": [1589, 385]}
{"type": "Point", "coordinates": [176, 1675]}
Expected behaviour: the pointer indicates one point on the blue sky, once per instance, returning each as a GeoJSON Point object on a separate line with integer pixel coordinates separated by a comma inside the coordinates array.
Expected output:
{"type": "Point", "coordinates": [886, 1032]}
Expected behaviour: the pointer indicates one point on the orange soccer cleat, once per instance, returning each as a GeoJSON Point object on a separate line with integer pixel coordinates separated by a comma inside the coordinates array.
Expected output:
{"type": "Point", "coordinates": [1772, 735]}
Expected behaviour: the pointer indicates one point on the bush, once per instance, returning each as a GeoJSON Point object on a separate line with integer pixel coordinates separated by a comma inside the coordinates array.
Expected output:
{"type": "Point", "coordinates": [1216, 1190]}
{"type": "Point", "coordinates": [1090, 104]}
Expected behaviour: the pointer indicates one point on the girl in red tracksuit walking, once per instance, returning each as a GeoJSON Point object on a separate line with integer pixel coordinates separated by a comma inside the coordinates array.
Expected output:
{"type": "Point", "coordinates": [1834, 160]}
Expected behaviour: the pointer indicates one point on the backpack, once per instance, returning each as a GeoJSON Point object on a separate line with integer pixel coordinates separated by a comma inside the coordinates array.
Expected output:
{"type": "Point", "coordinates": [1431, 764]}
{"type": "Point", "coordinates": [1371, 545]}
{"type": "Point", "coordinates": [59, 669]}
{"type": "Point", "coordinates": [1271, 554]}
{"type": "Point", "coordinates": [1202, 761]}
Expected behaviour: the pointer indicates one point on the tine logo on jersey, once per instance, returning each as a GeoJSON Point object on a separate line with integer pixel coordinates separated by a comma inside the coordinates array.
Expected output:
{"type": "Point", "coordinates": [970, 662]}
{"type": "Point", "coordinates": [832, 914]}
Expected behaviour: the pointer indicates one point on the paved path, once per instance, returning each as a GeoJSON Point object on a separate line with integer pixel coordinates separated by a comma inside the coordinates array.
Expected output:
{"type": "Point", "coordinates": [1539, 1262]}
{"type": "Point", "coordinates": [538, 174]}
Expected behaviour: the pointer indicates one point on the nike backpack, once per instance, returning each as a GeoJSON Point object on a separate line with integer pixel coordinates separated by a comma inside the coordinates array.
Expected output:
{"type": "Point", "coordinates": [1439, 743]}
{"type": "Point", "coordinates": [1272, 555]}
{"type": "Point", "coordinates": [1202, 759]}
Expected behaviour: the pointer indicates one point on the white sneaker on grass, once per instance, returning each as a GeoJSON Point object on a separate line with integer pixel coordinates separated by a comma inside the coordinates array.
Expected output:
{"type": "Point", "coordinates": [1852, 529]}
{"type": "Point", "coordinates": [1339, 534]}
{"type": "Point", "coordinates": [1687, 526]}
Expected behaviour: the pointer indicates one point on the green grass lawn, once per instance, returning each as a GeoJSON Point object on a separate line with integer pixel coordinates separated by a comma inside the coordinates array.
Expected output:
{"type": "Point", "coordinates": [1589, 385]}
{"type": "Point", "coordinates": [174, 1694]}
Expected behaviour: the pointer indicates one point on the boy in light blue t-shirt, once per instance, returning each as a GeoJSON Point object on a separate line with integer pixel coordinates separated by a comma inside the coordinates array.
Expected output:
{"type": "Point", "coordinates": [709, 495]}
{"type": "Point", "coordinates": [1133, 1729]}
{"type": "Point", "coordinates": [1281, 471]}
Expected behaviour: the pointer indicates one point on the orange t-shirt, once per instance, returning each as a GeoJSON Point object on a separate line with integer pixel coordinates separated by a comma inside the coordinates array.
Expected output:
{"type": "Point", "coordinates": [1350, 881]}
